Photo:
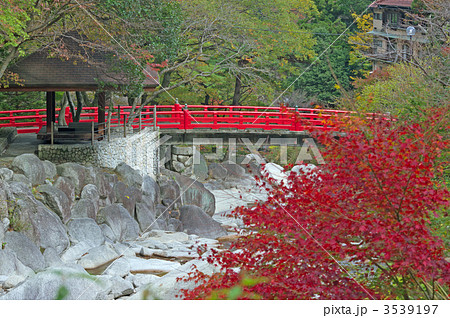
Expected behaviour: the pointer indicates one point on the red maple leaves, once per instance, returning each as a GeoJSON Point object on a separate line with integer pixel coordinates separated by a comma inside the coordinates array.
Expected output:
{"type": "Point", "coordinates": [357, 228]}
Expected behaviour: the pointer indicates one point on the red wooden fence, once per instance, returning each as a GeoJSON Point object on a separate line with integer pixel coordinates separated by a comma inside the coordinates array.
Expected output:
{"type": "Point", "coordinates": [189, 117]}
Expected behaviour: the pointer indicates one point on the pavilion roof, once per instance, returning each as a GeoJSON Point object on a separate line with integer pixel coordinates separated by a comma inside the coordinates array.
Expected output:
{"type": "Point", "coordinates": [392, 3]}
{"type": "Point", "coordinates": [82, 68]}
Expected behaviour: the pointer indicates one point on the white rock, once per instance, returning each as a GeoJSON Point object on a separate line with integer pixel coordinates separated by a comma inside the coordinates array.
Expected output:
{"type": "Point", "coordinates": [85, 229]}
{"type": "Point", "coordinates": [168, 286]}
{"type": "Point", "coordinates": [5, 223]}
{"type": "Point", "coordinates": [52, 258]}
{"type": "Point", "coordinates": [309, 169]}
{"type": "Point", "coordinates": [123, 250]}
{"type": "Point", "coordinates": [45, 285]}
{"type": "Point", "coordinates": [120, 267]}
{"type": "Point", "coordinates": [13, 281]}
{"type": "Point", "coordinates": [120, 287]}
{"type": "Point", "coordinates": [140, 280]}
{"type": "Point", "coordinates": [151, 266]}
{"type": "Point", "coordinates": [165, 237]}
{"type": "Point", "coordinates": [177, 254]}
{"type": "Point", "coordinates": [74, 253]}
{"type": "Point", "coordinates": [98, 256]}
{"type": "Point", "coordinates": [207, 241]}
{"type": "Point", "coordinates": [144, 251]}
{"type": "Point", "coordinates": [153, 243]}
{"type": "Point", "coordinates": [3, 278]}
{"type": "Point", "coordinates": [275, 171]}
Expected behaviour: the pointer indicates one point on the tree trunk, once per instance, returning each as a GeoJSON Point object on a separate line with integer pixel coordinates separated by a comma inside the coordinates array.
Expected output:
{"type": "Point", "coordinates": [79, 106]}
{"type": "Point", "coordinates": [207, 97]}
{"type": "Point", "coordinates": [134, 112]}
{"type": "Point", "coordinates": [237, 90]}
{"type": "Point", "coordinates": [166, 79]}
{"type": "Point", "coordinates": [62, 112]}
{"type": "Point", "coordinates": [238, 85]}
{"type": "Point", "coordinates": [86, 100]}
{"type": "Point", "coordinates": [11, 55]}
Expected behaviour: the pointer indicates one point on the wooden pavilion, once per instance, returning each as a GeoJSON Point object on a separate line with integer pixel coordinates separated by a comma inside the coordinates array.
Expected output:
{"type": "Point", "coordinates": [83, 69]}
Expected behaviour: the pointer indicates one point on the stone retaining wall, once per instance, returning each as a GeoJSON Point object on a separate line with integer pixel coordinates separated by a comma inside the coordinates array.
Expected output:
{"type": "Point", "coordinates": [138, 150]}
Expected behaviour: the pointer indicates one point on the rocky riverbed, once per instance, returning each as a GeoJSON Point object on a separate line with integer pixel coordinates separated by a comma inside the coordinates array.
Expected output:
{"type": "Point", "coordinates": [111, 234]}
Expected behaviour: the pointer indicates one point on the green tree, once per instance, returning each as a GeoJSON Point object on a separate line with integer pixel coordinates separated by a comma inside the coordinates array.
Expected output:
{"type": "Point", "coordinates": [242, 49]}
{"type": "Point", "coordinates": [401, 90]}
{"type": "Point", "coordinates": [324, 80]}
{"type": "Point", "coordinates": [27, 25]}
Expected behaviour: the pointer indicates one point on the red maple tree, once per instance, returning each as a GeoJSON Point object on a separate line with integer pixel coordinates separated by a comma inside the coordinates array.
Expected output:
{"type": "Point", "coordinates": [357, 228]}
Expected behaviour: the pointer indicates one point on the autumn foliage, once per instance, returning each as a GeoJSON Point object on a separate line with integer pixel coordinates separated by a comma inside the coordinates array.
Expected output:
{"type": "Point", "coordinates": [357, 228]}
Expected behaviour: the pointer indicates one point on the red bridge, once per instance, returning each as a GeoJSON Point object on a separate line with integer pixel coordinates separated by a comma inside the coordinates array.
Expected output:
{"type": "Point", "coordinates": [188, 117]}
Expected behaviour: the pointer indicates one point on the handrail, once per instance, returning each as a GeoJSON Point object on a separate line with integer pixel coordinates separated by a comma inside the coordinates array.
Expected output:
{"type": "Point", "coordinates": [191, 117]}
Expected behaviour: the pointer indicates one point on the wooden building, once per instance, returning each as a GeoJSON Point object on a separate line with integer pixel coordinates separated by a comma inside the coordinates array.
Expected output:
{"type": "Point", "coordinates": [83, 68]}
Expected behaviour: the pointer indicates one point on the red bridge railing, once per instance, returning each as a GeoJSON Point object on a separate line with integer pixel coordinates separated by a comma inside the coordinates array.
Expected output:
{"type": "Point", "coordinates": [188, 117]}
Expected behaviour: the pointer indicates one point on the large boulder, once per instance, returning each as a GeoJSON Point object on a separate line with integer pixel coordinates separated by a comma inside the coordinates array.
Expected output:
{"type": "Point", "coordinates": [162, 216]}
{"type": "Point", "coordinates": [85, 230]}
{"type": "Point", "coordinates": [120, 221]}
{"type": "Point", "coordinates": [119, 189]}
{"type": "Point", "coordinates": [312, 171]}
{"type": "Point", "coordinates": [90, 192]}
{"type": "Point", "coordinates": [84, 208]}
{"type": "Point", "coordinates": [104, 184]}
{"type": "Point", "coordinates": [253, 168]}
{"type": "Point", "coordinates": [131, 196]}
{"type": "Point", "coordinates": [217, 171]}
{"type": "Point", "coordinates": [75, 252]}
{"type": "Point", "coordinates": [17, 190]}
{"type": "Point", "coordinates": [40, 224]}
{"type": "Point", "coordinates": [49, 169]}
{"type": "Point", "coordinates": [120, 267]}
{"type": "Point", "coordinates": [150, 188]}
{"type": "Point", "coordinates": [6, 174]}
{"type": "Point", "coordinates": [51, 257]}
{"type": "Point", "coordinates": [97, 257]}
{"type": "Point", "coordinates": [3, 200]}
{"type": "Point", "coordinates": [146, 214]}
{"type": "Point", "coordinates": [67, 186]}
{"type": "Point", "coordinates": [119, 287]}
{"type": "Point", "coordinates": [56, 200]}
{"type": "Point", "coordinates": [170, 285]}
{"type": "Point", "coordinates": [196, 221]}
{"type": "Point", "coordinates": [2, 233]}
{"type": "Point", "coordinates": [234, 171]}
{"type": "Point", "coordinates": [193, 192]}
{"type": "Point", "coordinates": [45, 285]}
{"type": "Point", "coordinates": [26, 251]}
{"type": "Point", "coordinates": [79, 175]}
{"type": "Point", "coordinates": [30, 166]}
{"type": "Point", "coordinates": [18, 177]}
{"type": "Point", "coordinates": [130, 176]}
{"type": "Point", "coordinates": [10, 265]}
{"type": "Point", "coordinates": [151, 266]}
{"type": "Point", "coordinates": [276, 172]}
{"type": "Point", "coordinates": [180, 150]}
{"type": "Point", "coordinates": [169, 190]}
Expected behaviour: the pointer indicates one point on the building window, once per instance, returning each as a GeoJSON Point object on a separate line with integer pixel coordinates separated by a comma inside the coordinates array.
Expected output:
{"type": "Point", "coordinates": [392, 18]}
{"type": "Point", "coordinates": [378, 16]}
